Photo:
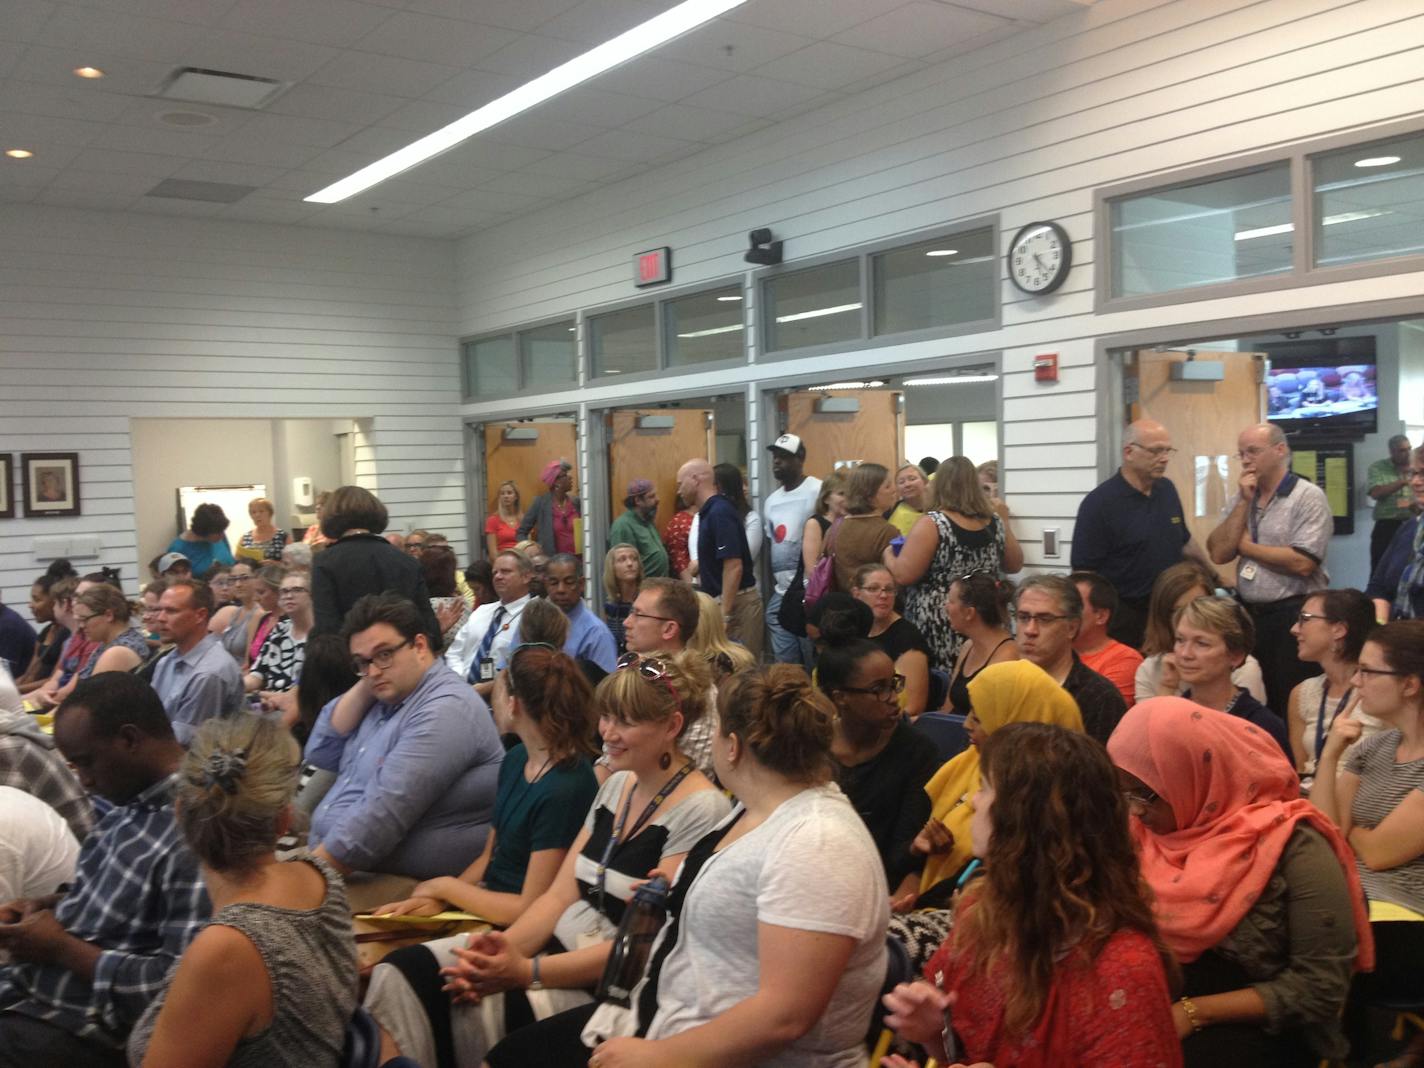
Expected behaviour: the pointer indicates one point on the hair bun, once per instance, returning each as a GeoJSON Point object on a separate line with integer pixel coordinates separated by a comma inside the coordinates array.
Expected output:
{"type": "Point", "coordinates": [60, 569]}
{"type": "Point", "coordinates": [225, 768]}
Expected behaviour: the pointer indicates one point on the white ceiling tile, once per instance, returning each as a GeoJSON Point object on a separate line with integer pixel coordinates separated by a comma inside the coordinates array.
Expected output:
{"type": "Point", "coordinates": [594, 107]}
{"type": "Point", "coordinates": [243, 147]}
{"type": "Point", "coordinates": [733, 46]}
{"type": "Point", "coordinates": [1024, 10]}
{"type": "Point", "coordinates": [472, 162]}
{"type": "Point", "coordinates": [24, 19]}
{"type": "Point", "coordinates": [122, 75]}
{"type": "Point", "coordinates": [340, 23]}
{"type": "Point", "coordinates": [752, 95]}
{"type": "Point", "coordinates": [473, 88]}
{"type": "Point", "coordinates": [827, 65]}
{"type": "Point", "coordinates": [404, 190]}
{"type": "Point", "coordinates": [531, 131]}
{"type": "Point", "coordinates": [11, 52]}
{"type": "Point", "coordinates": [212, 170]}
{"type": "Point", "coordinates": [27, 174]}
{"type": "Point", "coordinates": [635, 147]}
{"type": "Point", "coordinates": [492, 201]}
{"type": "Point", "coordinates": [173, 206]}
{"type": "Point", "coordinates": [594, 21]}
{"type": "Point", "coordinates": [120, 162]}
{"type": "Point", "coordinates": [741, 131]}
{"type": "Point", "coordinates": [339, 105]}
{"type": "Point", "coordinates": [821, 18]}
{"type": "Point", "coordinates": [106, 30]}
{"type": "Point", "coordinates": [449, 215]}
{"type": "Point", "coordinates": [16, 195]}
{"type": "Point", "coordinates": [659, 79]}
{"type": "Point", "coordinates": [530, 56]}
{"type": "Point", "coordinates": [295, 130]}
{"type": "Point", "coordinates": [148, 111]}
{"type": "Point", "coordinates": [373, 143]}
{"type": "Point", "coordinates": [105, 182]}
{"type": "Point", "coordinates": [919, 28]}
{"type": "Point", "coordinates": [382, 74]}
{"type": "Point", "coordinates": [521, 15]}
{"type": "Point", "coordinates": [202, 12]}
{"type": "Point", "coordinates": [85, 198]}
{"type": "Point", "coordinates": [62, 102]}
{"type": "Point", "coordinates": [36, 129]}
{"type": "Point", "coordinates": [260, 57]}
{"type": "Point", "coordinates": [540, 185]}
{"type": "Point", "coordinates": [688, 123]}
{"type": "Point", "coordinates": [573, 164]}
{"type": "Point", "coordinates": [257, 208]}
{"type": "Point", "coordinates": [411, 35]}
{"type": "Point", "coordinates": [161, 140]}
{"type": "Point", "coordinates": [358, 209]}
{"type": "Point", "coordinates": [421, 117]}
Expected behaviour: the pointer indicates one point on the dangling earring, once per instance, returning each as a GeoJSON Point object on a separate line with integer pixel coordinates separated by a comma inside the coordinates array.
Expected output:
{"type": "Point", "coordinates": [665, 761]}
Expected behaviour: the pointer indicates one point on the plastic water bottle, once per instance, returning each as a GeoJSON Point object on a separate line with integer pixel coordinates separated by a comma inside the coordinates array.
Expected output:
{"type": "Point", "coordinates": [633, 944]}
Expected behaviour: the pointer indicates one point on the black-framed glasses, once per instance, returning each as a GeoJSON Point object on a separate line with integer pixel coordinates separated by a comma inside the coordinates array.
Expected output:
{"type": "Point", "coordinates": [382, 658]}
{"type": "Point", "coordinates": [1306, 617]}
{"type": "Point", "coordinates": [292, 591]}
{"type": "Point", "coordinates": [1041, 619]}
{"type": "Point", "coordinates": [1362, 670]}
{"type": "Point", "coordinates": [81, 620]}
{"type": "Point", "coordinates": [877, 591]}
{"type": "Point", "coordinates": [885, 688]}
{"type": "Point", "coordinates": [240, 578]}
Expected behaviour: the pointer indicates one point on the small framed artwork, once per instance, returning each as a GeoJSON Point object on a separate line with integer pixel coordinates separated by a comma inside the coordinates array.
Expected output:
{"type": "Point", "coordinates": [50, 483]}
{"type": "Point", "coordinates": [7, 486]}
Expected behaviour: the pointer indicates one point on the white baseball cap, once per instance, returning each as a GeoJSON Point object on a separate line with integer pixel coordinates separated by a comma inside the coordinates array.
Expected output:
{"type": "Point", "coordinates": [789, 443]}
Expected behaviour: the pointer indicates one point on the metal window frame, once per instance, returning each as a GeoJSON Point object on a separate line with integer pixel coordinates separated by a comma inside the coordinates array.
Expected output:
{"type": "Point", "coordinates": [513, 333]}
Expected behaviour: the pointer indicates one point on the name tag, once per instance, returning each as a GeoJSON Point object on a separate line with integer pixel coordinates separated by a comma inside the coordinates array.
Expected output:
{"type": "Point", "coordinates": [1247, 571]}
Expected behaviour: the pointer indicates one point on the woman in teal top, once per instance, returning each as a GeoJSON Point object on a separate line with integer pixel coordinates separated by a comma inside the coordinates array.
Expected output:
{"type": "Point", "coordinates": [204, 543]}
{"type": "Point", "coordinates": [546, 785]}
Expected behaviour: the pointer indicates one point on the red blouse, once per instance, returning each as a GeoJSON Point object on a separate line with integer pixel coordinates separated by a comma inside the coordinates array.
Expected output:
{"type": "Point", "coordinates": [675, 538]}
{"type": "Point", "coordinates": [1112, 1012]}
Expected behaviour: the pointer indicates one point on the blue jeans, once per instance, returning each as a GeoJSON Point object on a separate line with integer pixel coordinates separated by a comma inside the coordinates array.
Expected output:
{"type": "Point", "coordinates": [786, 648]}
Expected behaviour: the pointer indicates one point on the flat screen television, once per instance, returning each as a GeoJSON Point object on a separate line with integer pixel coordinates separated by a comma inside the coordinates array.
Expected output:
{"type": "Point", "coordinates": [1323, 388]}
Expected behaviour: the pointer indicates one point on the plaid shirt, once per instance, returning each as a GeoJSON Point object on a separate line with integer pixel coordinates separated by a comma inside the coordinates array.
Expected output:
{"type": "Point", "coordinates": [28, 765]}
{"type": "Point", "coordinates": [138, 895]}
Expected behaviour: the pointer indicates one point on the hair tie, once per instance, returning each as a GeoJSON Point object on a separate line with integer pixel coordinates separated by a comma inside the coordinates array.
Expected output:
{"type": "Point", "coordinates": [225, 767]}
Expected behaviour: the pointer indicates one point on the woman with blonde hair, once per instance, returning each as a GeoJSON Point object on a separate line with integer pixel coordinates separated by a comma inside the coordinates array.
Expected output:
{"type": "Point", "coordinates": [724, 656]}
{"type": "Point", "coordinates": [1176, 586]}
{"type": "Point", "coordinates": [830, 506]}
{"type": "Point", "coordinates": [503, 522]}
{"type": "Point", "coordinates": [912, 489]}
{"type": "Point", "coordinates": [265, 541]}
{"type": "Point", "coordinates": [622, 575]}
{"type": "Point", "coordinates": [271, 980]}
{"type": "Point", "coordinates": [960, 535]}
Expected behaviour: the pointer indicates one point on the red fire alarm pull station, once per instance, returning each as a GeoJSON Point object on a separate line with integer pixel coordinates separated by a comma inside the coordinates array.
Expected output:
{"type": "Point", "coordinates": [1045, 367]}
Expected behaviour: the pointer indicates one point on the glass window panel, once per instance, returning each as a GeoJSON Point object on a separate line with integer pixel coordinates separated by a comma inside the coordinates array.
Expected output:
{"type": "Point", "coordinates": [935, 284]}
{"type": "Point", "coordinates": [980, 441]}
{"type": "Point", "coordinates": [624, 342]}
{"type": "Point", "coordinates": [1369, 202]}
{"type": "Point", "coordinates": [550, 355]}
{"type": "Point", "coordinates": [490, 367]}
{"type": "Point", "coordinates": [705, 327]}
{"type": "Point", "coordinates": [1202, 234]}
{"type": "Point", "coordinates": [814, 307]}
{"type": "Point", "coordinates": [929, 439]}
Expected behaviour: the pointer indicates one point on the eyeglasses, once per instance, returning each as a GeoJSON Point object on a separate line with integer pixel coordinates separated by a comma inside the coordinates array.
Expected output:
{"type": "Point", "coordinates": [1362, 670]}
{"type": "Point", "coordinates": [652, 669]}
{"type": "Point", "coordinates": [1156, 450]}
{"type": "Point", "coordinates": [878, 591]}
{"type": "Point", "coordinates": [1039, 619]}
{"type": "Point", "coordinates": [81, 620]}
{"type": "Point", "coordinates": [382, 659]}
{"type": "Point", "coordinates": [1415, 472]}
{"type": "Point", "coordinates": [885, 688]}
{"type": "Point", "coordinates": [292, 591]}
{"type": "Point", "coordinates": [638, 613]}
{"type": "Point", "coordinates": [1144, 798]}
{"type": "Point", "coordinates": [1251, 450]}
{"type": "Point", "coordinates": [1306, 617]}
{"type": "Point", "coordinates": [239, 578]}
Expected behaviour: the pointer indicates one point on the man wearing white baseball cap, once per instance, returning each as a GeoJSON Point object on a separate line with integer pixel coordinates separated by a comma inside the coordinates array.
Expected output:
{"type": "Point", "coordinates": [785, 513]}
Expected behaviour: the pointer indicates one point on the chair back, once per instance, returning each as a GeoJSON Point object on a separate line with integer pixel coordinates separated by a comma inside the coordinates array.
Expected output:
{"type": "Point", "coordinates": [946, 731]}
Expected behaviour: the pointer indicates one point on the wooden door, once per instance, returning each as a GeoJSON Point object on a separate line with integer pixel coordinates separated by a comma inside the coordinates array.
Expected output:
{"type": "Point", "coordinates": [655, 453]}
{"type": "Point", "coordinates": [521, 461]}
{"type": "Point", "coordinates": [1204, 419]}
{"type": "Point", "coordinates": [874, 434]}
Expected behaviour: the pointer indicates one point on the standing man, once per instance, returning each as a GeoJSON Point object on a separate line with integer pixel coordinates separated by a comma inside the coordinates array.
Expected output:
{"type": "Point", "coordinates": [198, 679]}
{"type": "Point", "coordinates": [1280, 527]}
{"type": "Point", "coordinates": [481, 647]}
{"type": "Point", "coordinates": [589, 637]}
{"type": "Point", "coordinates": [725, 567]}
{"type": "Point", "coordinates": [635, 527]}
{"type": "Point", "coordinates": [1131, 528]}
{"type": "Point", "coordinates": [1395, 503]}
{"type": "Point", "coordinates": [786, 510]}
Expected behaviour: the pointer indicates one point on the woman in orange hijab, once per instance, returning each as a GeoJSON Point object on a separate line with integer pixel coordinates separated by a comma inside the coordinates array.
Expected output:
{"type": "Point", "coordinates": [1256, 891]}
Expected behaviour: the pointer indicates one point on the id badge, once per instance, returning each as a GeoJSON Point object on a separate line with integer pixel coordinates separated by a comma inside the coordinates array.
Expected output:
{"type": "Point", "coordinates": [1247, 571]}
{"type": "Point", "coordinates": [487, 669]}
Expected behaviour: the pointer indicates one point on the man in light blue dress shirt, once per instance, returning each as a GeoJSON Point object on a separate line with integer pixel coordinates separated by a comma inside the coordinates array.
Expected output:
{"type": "Point", "coordinates": [199, 679]}
{"type": "Point", "coordinates": [589, 637]}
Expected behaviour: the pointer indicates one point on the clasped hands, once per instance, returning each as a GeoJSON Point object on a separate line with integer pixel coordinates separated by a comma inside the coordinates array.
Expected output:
{"type": "Point", "coordinates": [488, 964]}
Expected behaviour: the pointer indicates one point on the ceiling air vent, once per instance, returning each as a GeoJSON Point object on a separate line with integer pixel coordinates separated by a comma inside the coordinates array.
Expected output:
{"type": "Point", "coordinates": [212, 192]}
{"type": "Point", "coordinates": [200, 86]}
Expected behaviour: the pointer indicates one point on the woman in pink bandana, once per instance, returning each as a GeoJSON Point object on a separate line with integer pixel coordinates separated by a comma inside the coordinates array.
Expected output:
{"type": "Point", "coordinates": [553, 515]}
{"type": "Point", "coordinates": [1256, 890]}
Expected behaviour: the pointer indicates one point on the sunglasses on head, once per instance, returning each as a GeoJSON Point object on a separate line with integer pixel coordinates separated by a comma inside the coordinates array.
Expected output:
{"type": "Point", "coordinates": [651, 668]}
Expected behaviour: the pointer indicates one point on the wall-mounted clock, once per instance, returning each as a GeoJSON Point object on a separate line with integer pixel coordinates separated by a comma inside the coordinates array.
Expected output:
{"type": "Point", "coordinates": [1039, 257]}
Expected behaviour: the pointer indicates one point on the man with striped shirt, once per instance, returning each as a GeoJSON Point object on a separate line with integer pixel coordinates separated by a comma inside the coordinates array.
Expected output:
{"type": "Point", "coordinates": [86, 963]}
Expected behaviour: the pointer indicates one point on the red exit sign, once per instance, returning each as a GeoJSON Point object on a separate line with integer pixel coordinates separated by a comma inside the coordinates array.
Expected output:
{"type": "Point", "coordinates": [652, 268]}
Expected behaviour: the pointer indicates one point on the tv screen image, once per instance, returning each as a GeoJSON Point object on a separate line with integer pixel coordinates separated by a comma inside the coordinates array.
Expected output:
{"type": "Point", "coordinates": [1341, 393]}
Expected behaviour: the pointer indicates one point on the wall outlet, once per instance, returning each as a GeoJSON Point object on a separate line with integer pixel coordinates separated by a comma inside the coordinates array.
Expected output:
{"type": "Point", "coordinates": [1050, 542]}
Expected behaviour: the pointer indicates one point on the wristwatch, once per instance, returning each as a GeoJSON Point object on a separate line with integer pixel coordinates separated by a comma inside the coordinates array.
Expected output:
{"type": "Point", "coordinates": [534, 981]}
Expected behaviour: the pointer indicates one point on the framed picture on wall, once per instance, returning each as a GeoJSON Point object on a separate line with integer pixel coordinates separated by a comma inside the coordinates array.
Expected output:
{"type": "Point", "coordinates": [7, 486]}
{"type": "Point", "coordinates": [50, 483]}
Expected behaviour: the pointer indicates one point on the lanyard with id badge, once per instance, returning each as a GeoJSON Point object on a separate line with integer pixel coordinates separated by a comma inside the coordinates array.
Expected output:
{"type": "Point", "coordinates": [1247, 570]}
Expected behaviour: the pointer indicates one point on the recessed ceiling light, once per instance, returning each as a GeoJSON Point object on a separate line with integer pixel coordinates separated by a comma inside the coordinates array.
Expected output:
{"type": "Point", "coordinates": [729, 298]}
{"type": "Point", "coordinates": [644, 37]}
{"type": "Point", "coordinates": [943, 252]}
{"type": "Point", "coordinates": [88, 72]}
{"type": "Point", "coordinates": [1376, 161]}
{"type": "Point", "coordinates": [18, 153]}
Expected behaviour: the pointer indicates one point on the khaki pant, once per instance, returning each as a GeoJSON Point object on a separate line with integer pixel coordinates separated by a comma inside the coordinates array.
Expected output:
{"type": "Point", "coordinates": [747, 623]}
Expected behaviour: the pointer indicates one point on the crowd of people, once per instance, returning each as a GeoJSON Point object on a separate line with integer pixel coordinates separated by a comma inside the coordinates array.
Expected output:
{"type": "Point", "coordinates": [1175, 819]}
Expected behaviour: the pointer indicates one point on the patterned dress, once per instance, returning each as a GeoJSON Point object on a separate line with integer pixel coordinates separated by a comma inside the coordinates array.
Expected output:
{"type": "Point", "coordinates": [960, 552]}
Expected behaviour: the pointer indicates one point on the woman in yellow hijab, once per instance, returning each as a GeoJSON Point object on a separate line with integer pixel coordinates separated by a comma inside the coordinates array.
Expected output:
{"type": "Point", "coordinates": [1015, 691]}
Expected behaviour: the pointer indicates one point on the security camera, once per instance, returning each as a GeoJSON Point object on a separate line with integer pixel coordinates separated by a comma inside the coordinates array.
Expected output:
{"type": "Point", "coordinates": [764, 251]}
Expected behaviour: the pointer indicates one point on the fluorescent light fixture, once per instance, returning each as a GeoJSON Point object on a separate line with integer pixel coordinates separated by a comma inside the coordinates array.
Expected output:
{"type": "Point", "coordinates": [729, 298]}
{"type": "Point", "coordinates": [19, 153]}
{"type": "Point", "coordinates": [712, 330]}
{"type": "Point", "coordinates": [949, 380]}
{"type": "Point", "coordinates": [943, 252]}
{"type": "Point", "coordinates": [874, 383]}
{"type": "Point", "coordinates": [1329, 220]}
{"type": "Point", "coordinates": [644, 37]}
{"type": "Point", "coordinates": [816, 313]}
{"type": "Point", "coordinates": [1264, 231]}
{"type": "Point", "coordinates": [1376, 161]}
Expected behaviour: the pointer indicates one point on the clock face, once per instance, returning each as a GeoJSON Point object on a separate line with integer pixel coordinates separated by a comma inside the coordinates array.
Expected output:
{"type": "Point", "coordinates": [1039, 257]}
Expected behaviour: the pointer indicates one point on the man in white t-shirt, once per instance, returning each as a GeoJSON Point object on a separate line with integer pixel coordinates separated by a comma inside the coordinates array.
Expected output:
{"type": "Point", "coordinates": [786, 510]}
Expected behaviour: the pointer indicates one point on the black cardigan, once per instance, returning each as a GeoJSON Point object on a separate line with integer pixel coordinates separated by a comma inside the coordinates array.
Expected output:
{"type": "Point", "coordinates": [358, 564]}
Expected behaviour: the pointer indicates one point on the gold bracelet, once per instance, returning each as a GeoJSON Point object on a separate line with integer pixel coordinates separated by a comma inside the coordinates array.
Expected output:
{"type": "Point", "coordinates": [1191, 1010]}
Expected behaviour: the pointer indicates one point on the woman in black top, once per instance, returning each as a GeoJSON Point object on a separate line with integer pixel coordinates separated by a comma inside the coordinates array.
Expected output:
{"type": "Point", "coordinates": [978, 609]}
{"type": "Point", "coordinates": [359, 561]}
{"type": "Point", "coordinates": [50, 642]}
{"type": "Point", "coordinates": [901, 639]}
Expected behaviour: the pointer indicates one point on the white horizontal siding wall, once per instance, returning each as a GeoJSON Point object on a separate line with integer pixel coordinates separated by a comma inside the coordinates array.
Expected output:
{"type": "Point", "coordinates": [108, 317]}
{"type": "Point", "coordinates": [1026, 128]}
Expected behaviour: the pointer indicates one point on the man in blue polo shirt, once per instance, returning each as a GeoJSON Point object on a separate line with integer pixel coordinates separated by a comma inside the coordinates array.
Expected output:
{"type": "Point", "coordinates": [724, 560]}
{"type": "Point", "coordinates": [1131, 528]}
{"type": "Point", "coordinates": [589, 637]}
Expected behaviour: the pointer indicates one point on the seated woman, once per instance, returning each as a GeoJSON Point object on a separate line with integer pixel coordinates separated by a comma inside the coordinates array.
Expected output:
{"type": "Point", "coordinates": [622, 575]}
{"type": "Point", "coordinates": [265, 540]}
{"type": "Point", "coordinates": [1012, 692]}
{"type": "Point", "coordinates": [882, 763]}
{"type": "Point", "coordinates": [233, 623]}
{"type": "Point", "coordinates": [1055, 958]}
{"type": "Point", "coordinates": [52, 637]}
{"type": "Point", "coordinates": [977, 608]}
{"type": "Point", "coordinates": [278, 665]}
{"type": "Point", "coordinates": [776, 949]}
{"type": "Point", "coordinates": [204, 543]}
{"type": "Point", "coordinates": [648, 814]}
{"type": "Point", "coordinates": [101, 614]}
{"type": "Point", "coordinates": [724, 656]}
{"type": "Point", "coordinates": [73, 653]}
{"type": "Point", "coordinates": [1330, 631]}
{"type": "Point", "coordinates": [1173, 589]}
{"type": "Point", "coordinates": [1255, 890]}
{"type": "Point", "coordinates": [1373, 794]}
{"type": "Point", "coordinates": [897, 636]}
{"type": "Point", "coordinates": [268, 583]}
{"type": "Point", "coordinates": [439, 567]}
{"type": "Point", "coordinates": [219, 580]}
{"type": "Point", "coordinates": [271, 980]}
{"type": "Point", "coordinates": [1214, 635]}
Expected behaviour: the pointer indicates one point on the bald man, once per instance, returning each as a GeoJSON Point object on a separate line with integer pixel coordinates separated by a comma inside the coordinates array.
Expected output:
{"type": "Point", "coordinates": [1131, 528]}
